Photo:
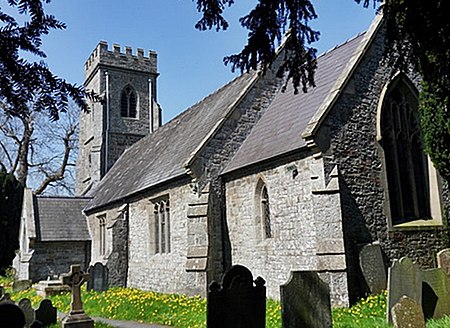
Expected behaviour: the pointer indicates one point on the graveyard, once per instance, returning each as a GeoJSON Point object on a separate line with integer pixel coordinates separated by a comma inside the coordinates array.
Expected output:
{"type": "Point", "coordinates": [172, 310]}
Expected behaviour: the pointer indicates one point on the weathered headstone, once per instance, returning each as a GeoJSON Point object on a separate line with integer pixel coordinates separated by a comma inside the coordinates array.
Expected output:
{"type": "Point", "coordinates": [239, 302]}
{"type": "Point", "coordinates": [76, 318]}
{"type": "Point", "coordinates": [404, 278]}
{"type": "Point", "coordinates": [373, 268]}
{"type": "Point", "coordinates": [46, 313]}
{"type": "Point", "coordinates": [98, 278]}
{"type": "Point", "coordinates": [47, 288]}
{"type": "Point", "coordinates": [6, 298]}
{"type": "Point", "coordinates": [407, 313]}
{"type": "Point", "coordinates": [443, 259]}
{"type": "Point", "coordinates": [11, 316]}
{"type": "Point", "coordinates": [28, 311]}
{"type": "Point", "coordinates": [20, 285]}
{"type": "Point", "coordinates": [435, 293]}
{"type": "Point", "coordinates": [305, 301]}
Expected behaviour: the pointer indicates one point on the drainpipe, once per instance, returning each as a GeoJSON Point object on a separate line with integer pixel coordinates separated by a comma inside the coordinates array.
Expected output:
{"type": "Point", "coordinates": [107, 124]}
{"type": "Point", "coordinates": [150, 104]}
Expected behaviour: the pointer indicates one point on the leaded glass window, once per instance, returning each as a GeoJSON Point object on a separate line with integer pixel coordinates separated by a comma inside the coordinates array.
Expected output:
{"type": "Point", "coordinates": [406, 164]}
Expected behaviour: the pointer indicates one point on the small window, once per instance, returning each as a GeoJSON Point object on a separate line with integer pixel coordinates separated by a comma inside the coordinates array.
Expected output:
{"type": "Point", "coordinates": [128, 102]}
{"type": "Point", "coordinates": [263, 222]}
{"type": "Point", "coordinates": [265, 212]}
{"type": "Point", "coordinates": [102, 235]}
{"type": "Point", "coordinates": [161, 227]}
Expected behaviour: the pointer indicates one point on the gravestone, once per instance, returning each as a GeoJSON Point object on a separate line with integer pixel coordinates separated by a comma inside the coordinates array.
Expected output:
{"type": "Point", "coordinates": [305, 301]}
{"type": "Point", "coordinates": [238, 302]}
{"type": "Point", "coordinates": [407, 313]}
{"type": "Point", "coordinates": [20, 285]}
{"type": "Point", "coordinates": [443, 259]}
{"type": "Point", "coordinates": [11, 316]}
{"type": "Point", "coordinates": [6, 298]}
{"type": "Point", "coordinates": [76, 318]}
{"type": "Point", "coordinates": [373, 268]}
{"type": "Point", "coordinates": [98, 278]}
{"type": "Point", "coordinates": [404, 279]}
{"type": "Point", "coordinates": [46, 313]}
{"type": "Point", "coordinates": [435, 293]}
{"type": "Point", "coordinates": [28, 311]}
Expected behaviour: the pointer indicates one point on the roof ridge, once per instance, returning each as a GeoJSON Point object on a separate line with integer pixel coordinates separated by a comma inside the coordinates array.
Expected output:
{"type": "Point", "coordinates": [62, 197]}
{"type": "Point", "coordinates": [340, 45]}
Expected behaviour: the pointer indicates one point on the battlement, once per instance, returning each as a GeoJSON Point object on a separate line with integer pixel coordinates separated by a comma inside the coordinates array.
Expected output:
{"type": "Point", "coordinates": [116, 58]}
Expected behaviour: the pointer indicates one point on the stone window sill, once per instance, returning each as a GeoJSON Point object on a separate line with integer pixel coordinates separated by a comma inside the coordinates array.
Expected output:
{"type": "Point", "coordinates": [417, 225]}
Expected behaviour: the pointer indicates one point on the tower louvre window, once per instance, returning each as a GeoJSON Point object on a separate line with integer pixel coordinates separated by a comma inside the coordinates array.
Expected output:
{"type": "Point", "coordinates": [128, 102]}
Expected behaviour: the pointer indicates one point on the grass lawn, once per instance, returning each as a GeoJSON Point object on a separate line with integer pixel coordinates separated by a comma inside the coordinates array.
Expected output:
{"type": "Point", "coordinates": [181, 311]}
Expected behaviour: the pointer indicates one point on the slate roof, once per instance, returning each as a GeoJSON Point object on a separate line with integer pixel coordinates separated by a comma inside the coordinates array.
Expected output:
{"type": "Point", "coordinates": [280, 128]}
{"type": "Point", "coordinates": [161, 156]}
{"type": "Point", "coordinates": [60, 218]}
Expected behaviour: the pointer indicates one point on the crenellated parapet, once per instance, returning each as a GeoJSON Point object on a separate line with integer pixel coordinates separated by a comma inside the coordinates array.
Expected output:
{"type": "Point", "coordinates": [136, 61]}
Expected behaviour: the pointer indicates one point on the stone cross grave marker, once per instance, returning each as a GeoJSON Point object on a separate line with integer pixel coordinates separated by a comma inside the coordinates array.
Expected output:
{"type": "Point", "coordinates": [305, 301]}
{"type": "Point", "coordinates": [239, 302]}
{"type": "Point", "coordinates": [76, 318]}
{"type": "Point", "coordinates": [443, 259]}
{"type": "Point", "coordinates": [28, 311]}
{"type": "Point", "coordinates": [98, 277]}
{"type": "Point", "coordinates": [11, 316]}
{"type": "Point", "coordinates": [404, 279]}
{"type": "Point", "coordinates": [46, 313]}
{"type": "Point", "coordinates": [407, 313]}
{"type": "Point", "coordinates": [373, 268]}
{"type": "Point", "coordinates": [435, 293]}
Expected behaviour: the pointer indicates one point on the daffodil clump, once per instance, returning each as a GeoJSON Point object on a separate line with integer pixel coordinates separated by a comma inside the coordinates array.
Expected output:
{"type": "Point", "coordinates": [369, 312]}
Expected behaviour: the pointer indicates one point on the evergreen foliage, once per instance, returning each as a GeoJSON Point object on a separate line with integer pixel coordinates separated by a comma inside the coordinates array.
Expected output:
{"type": "Point", "coordinates": [11, 194]}
{"type": "Point", "coordinates": [22, 81]}
{"type": "Point", "coordinates": [417, 30]}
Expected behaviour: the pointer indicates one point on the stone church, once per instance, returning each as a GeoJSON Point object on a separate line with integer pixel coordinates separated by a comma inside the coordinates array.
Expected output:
{"type": "Point", "coordinates": [255, 176]}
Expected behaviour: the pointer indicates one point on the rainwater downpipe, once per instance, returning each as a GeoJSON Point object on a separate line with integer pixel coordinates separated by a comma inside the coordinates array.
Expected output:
{"type": "Point", "coordinates": [107, 124]}
{"type": "Point", "coordinates": [150, 104]}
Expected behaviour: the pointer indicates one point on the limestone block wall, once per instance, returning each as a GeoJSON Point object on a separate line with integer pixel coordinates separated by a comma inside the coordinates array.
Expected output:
{"type": "Point", "coordinates": [305, 221]}
{"type": "Point", "coordinates": [162, 272]}
{"type": "Point", "coordinates": [56, 257]}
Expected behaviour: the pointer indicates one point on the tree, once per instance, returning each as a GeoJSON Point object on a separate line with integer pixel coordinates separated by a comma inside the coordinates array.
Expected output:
{"type": "Point", "coordinates": [23, 82]}
{"type": "Point", "coordinates": [11, 193]}
{"type": "Point", "coordinates": [41, 153]}
{"type": "Point", "coordinates": [418, 30]}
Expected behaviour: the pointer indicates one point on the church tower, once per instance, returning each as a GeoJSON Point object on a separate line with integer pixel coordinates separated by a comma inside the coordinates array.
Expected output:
{"type": "Point", "coordinates": [123, 109]}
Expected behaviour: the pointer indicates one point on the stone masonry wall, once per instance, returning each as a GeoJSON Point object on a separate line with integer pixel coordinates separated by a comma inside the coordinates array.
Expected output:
{"type": "Point", "coordinates": [56, 258]}
{"type": "Point", "coordinates": [214, 158]}
{"type": "Point", "coordinates": [159, 272]}
{"type": "Point", "coordinates": [305, 222]}
{"type": "Point", "coordinates": [350, 128]}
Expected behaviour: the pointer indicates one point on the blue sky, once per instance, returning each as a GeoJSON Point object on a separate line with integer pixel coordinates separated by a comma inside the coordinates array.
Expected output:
{"type": "Point", "coordinates": [189, 61]}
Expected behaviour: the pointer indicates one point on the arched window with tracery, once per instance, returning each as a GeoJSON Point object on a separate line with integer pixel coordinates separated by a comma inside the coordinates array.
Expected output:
{"type": "Point", "coordinates": [406, 165]}
{"type": "Point", "coordinates": [162, 227]}
{"type": "Point", "coordinates": [128, 102]}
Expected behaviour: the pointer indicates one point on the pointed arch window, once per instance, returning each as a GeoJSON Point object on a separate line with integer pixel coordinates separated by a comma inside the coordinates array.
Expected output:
{"type": "Point", "coordinates": [128, 102]}
{"type": "Point", "coordinates": [265, 212]}
{"type": "Point", "coordinates": [161, 227]}
{"type": "Point", "coordinates": [406, 165]}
